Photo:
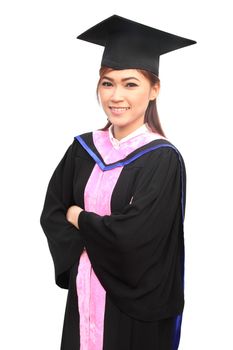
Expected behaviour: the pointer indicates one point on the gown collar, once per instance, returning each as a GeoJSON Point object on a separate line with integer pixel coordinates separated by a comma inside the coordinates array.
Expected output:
{"type": "Point", "coordinates": [117, 143]}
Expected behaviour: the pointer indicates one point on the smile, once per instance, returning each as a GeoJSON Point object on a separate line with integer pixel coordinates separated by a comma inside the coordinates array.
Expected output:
{"type": "Point", "coordinates": [119, 108]}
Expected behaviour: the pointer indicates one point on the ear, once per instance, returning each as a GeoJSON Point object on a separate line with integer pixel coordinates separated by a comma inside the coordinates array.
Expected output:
{"type": "Point", "coordinates": [154, 92]}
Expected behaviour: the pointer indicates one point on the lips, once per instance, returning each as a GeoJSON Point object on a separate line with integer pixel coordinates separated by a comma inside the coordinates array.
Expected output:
{"type": "Point", "coordinates": [118, 110]}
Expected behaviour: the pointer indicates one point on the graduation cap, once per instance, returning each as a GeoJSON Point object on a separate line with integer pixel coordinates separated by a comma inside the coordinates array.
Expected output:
{"type": "Point", "coordinates": [130, 44]}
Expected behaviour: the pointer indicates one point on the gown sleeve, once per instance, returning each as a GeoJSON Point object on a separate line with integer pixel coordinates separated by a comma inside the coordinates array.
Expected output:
{"type": "Point", "coordinates": [64, 240]}
{"type": "Point", "coordinates": [137, 253]}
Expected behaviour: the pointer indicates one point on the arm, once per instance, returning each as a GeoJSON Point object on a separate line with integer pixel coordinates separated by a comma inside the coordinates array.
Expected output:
{"type": "Point", "coordinates": [64, 240]}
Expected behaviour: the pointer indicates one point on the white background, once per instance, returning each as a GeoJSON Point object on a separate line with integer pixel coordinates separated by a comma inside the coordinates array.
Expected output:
{"type": "Point", "coordinates": [48, 81]}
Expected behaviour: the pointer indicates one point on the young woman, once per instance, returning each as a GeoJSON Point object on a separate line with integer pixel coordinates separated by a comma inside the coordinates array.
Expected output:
{"type": "Point", "coordinates": [114, 208]}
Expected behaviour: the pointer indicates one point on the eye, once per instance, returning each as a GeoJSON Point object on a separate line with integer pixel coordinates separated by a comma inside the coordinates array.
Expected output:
{"type": "Point", "coordinates": [106, 83]}
{"type": "Point", "coordinates": [131, 85]}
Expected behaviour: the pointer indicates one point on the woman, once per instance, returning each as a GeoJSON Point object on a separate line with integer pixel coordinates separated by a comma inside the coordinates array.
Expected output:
{"type": "Point", "coordinates": [113, 213]}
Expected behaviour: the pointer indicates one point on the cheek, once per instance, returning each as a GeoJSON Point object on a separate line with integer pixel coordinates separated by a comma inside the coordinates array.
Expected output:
{"type": "Point", "coordinates": [103, 97]}
{"type": "Point", "coordinates": [142, 100]}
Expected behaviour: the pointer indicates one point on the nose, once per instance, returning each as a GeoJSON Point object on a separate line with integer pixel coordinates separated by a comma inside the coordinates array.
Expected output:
{"type": "Point", "coordinates": [117, 94]}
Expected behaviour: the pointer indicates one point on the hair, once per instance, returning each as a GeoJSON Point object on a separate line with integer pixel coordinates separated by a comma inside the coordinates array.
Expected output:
{"type": "Point", "coordinates": [151, 114]}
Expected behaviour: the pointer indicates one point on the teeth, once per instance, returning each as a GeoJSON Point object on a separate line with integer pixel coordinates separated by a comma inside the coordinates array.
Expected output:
{"type": "Point", "coordinates": [119, 108]}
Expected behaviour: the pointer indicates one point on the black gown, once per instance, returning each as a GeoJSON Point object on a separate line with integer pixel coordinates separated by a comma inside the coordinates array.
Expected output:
{"type": "Point", "coordinates": [137, 252]}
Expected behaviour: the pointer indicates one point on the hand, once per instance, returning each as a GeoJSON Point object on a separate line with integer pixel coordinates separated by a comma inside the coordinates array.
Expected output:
{"type": "Point", "coordinates": [72, 215]}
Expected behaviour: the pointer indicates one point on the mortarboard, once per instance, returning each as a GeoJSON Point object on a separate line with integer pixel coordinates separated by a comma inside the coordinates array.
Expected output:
{"type": "Point", "coordinates": [130, 44]}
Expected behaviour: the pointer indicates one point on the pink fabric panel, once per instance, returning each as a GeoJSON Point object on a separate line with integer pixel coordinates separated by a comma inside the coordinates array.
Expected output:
{"type": "Point", "coordinates": [91, 294]}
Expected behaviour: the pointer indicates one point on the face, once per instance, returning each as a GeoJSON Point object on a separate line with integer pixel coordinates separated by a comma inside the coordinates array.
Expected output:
{"type": "Point", "coordinates": [124, 96]}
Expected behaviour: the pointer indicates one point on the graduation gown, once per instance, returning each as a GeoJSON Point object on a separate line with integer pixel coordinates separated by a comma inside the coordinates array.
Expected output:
{"type": "Point", "coordinates": [137, 251]}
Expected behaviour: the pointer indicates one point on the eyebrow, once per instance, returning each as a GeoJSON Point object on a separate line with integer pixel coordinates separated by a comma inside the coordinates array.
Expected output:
{"type": "Point", "coordinates": [124, 79]}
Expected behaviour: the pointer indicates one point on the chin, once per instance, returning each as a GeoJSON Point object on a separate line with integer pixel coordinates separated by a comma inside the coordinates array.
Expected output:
{"type": "Point", "coordinates": [119, 125]}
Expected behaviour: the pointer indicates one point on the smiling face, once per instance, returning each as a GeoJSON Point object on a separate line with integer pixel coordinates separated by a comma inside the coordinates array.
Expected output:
{"type": "Point", "coordinates": [124, 96]}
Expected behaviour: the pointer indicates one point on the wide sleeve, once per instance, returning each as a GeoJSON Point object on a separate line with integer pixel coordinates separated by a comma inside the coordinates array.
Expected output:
{"type": "Point", "coordinates": [64, 240]}
{"type": "Point", "coordinates": [137, 253]}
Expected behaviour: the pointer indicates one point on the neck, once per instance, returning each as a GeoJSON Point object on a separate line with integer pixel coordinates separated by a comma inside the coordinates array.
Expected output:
{"type": "Point", "coordinates": [119, 133]}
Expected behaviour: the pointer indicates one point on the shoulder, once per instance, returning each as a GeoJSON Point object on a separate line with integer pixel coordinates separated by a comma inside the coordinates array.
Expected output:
{"type": "Point", "coordinates": [163, 155]}
{"type": "Point", "coordinates": [87, 137]}
{"type": "Point", "coordinates": [162, 148]}
{"type": "Point", "coordinates": [75, 148]}
{"type": "Point", "coordinates": [80, 143]}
